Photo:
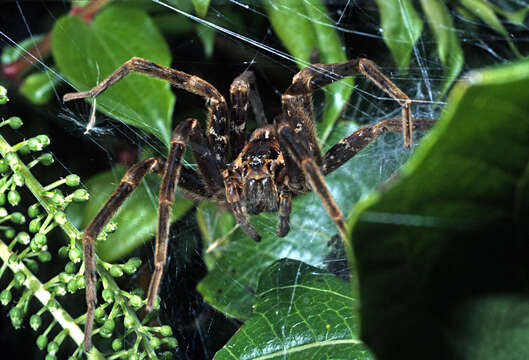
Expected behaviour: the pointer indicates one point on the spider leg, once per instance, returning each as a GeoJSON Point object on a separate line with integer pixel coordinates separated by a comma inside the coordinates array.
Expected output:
{"type": "Point", "coordinates": [218, 126]}
{"type": "Point", "coordinates": [319, 75]}
{"type": "Point", "coordinates": [239, 211]}
{"type": "Point", "coordinates": [170, 179]}
{"type": "Point", "coordinates": [243, 91]}
{"type": "Point", "coordinates": [313, 174]}
{"type": "Point", "coordinates": [351, 145]}
{"type": "Point", "coordinates": [128, 183]}
{"type": "Point", "coordinates": [285, 206]}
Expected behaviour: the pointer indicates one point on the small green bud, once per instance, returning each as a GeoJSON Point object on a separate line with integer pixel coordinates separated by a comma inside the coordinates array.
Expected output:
{"type": "Point", "coordinates": [63, 251]}
{"type": "Point", "coordinates": [34, 246]}
{"type": "Point", "coordinates": [10, 233]}
{"type": "Point", "coordinates": [4, 166]}
{"type": "Point", "coordinates": [3, 212]}
{"type": "Point", "coordinates": [13, 258]}
{"type": "Point", "coordinates": [70, 268]}
{"type": "Point", "coordinates": [128, 322]}
{"type": "Point", "coordinates": [35, 321]}
{"type": "Point", "coordinates": [34, 210]}
{"type": "Point", "coordinates": [72, 286]}
{"type": "Point", "coordinates": [43, 139]}
{"type": "Point", "coordinates": [133, 356]}
{"type": "Point", "coordinates": [13, 197]}
{"type": "Point", "coordinates": [52, 348]}
{"type": "Point", "coordinates": [16, 314]}
{"type": "Point", "coordinates": [46, 159]}
{"type": "Point", "coordinates": [171, 342]}
{"type": "Point", "coordinates": [57, 199]}
{"type": "Point", "coordinates": [166, 330]}
{"type": "Point", "coordinates": [52, 304]}
{"type": "Point", "coordinates": [116, 271]}
{"type": "Point", "coordinates": [131, 266]}
{"type": "Point", "coordinates": [60, 217]}
{"type": "Point", "coordinates": [109, 325]}
{"type": "Point", "coordinates": [108, 295]}
{"type": "Point", "coordinates": [15, 122]}
{"type": "Point", "coordinates": [34, 225]}
{"type": "Point", "coordinates": [81, 282]}
{"type": "Point", "coordinates": [105, 333]}
{"type": "Point", "coordinates": [110, 227]}
{"type": "Point", "coordinates": [50, 357]}
{"type": "Point", "coordinates": [73, 180]}
{"type": "Point", "coordinates": [75, 255]}
{"type": "Point", "coordinates": [44, 256]}
{"type": "Point", "coordinates": [32, 264]}
{"type": "Point", "coordinates": [19, 278]}
{"type": "Point", "coordinates": [42, 341]}
{"type": "Point", "coordinates": [135, 301]}
{"type": "Point", "coordinates": [80, 195]}
{"type": "Point", "coordinates": [18, 179]}
{"type": "Point", "coordinates": [40, 239]}
{"type": "Point", "coordinates": [100, 314]}
{"type": "Point", "coordinates": [3, 95]}
{"type": "Point", "coordinates": [155, 342]}
{"type": "Point", "coordinates": [2, 198]}
{"type": "Point", "coordinates": [12, 160]}
{"type": "Point", "coordinates": [117, 344]}
{"type": "Point", "coordinates": [34, 144]}
{"type": "Point", "coordinates": [59, 290]}
{"type": "Point", "coordinates": [5, 297]}
{"type": "Point", "coordinates": [18, 218]}
{"type": "Point", "coordinates": [138, 291]}
{"type": "Point", "coordinates": [23, 238]}
{"type": "Point", "coordinates": [24, 150]}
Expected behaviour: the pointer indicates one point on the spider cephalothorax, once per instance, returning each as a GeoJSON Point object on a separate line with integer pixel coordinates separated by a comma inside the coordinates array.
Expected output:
{"type": "Point", "coordinates": [279, 161]}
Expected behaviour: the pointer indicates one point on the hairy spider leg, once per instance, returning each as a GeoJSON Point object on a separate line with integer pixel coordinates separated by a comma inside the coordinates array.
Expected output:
{"type": "Point", "coordinates": [128, 183]}
{"type": "Point", "coordinates": [319, 75]}
{"type": "Point", "coordinates": [243, 92]}
{"type": "Point", "coordinates": [312, 172]}
{"type": "Point", "coordinates": [351, 145]}
{"type": "Point", "coordinates": [170, 178]}
{"type": "Point", "coordinates": [285, 207]}
{"type": "Point", "coordinates": [218, 126]}
{"type": "Point", "coordinates": [239, 211]}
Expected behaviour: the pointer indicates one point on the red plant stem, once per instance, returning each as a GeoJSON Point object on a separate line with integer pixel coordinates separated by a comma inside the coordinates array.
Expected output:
{"type": "Point", "coordinates": [41, 49]}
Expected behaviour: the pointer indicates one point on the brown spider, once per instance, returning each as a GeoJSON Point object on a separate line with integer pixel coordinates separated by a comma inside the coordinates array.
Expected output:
{"type": "Point", "coordinates": [280, 159]}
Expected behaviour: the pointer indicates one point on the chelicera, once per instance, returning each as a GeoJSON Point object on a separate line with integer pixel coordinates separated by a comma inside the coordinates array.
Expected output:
{"type": "Point", "coordinates": [262, 173]}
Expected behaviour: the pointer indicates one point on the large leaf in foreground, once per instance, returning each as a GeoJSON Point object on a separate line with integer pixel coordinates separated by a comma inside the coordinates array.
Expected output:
{"type": "Point", "coordinates": [230, 285]}
{"type": "Point", "coordinates": [87, 53]}
{"type": "Point", "coordinates": [453, 228]}
{"type": "Point", "coordinates": [301, 313]}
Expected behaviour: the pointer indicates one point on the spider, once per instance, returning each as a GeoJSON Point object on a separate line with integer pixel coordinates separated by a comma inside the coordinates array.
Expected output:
{"type": "Point", "coordinates": [281, 159]}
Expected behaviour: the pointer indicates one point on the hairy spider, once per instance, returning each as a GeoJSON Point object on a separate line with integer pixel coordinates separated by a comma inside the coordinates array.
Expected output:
{"type": "Point", "coordinates": [280, 160]}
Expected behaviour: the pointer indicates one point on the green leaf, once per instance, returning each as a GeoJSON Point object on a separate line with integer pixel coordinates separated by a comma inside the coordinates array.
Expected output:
{"type": "Point", "coordinates": [455, 225]}
{"type": "Point", "coordinates": [314, 29]}
{"type": "Point", "coordinates": [401, 26]}
{"type": "Point", "coordinates": [301, 312]}
{"type": "Point", "coordinates": [485, 12]}
{"type": "Point", "coordinates": [201, 7]}
{"type": "Point", "coordinates": [230, 286]}
{"type": "Point", "coordinates": [448, 48]}
{"type": "Point", "coordinates": [12, 53]}
{"type": "Point", "coordinates": [136, 219]}
{"type": "Point", "coordinates": [87, 53]}
{"type": "Point", "coordinates": [38, 87]}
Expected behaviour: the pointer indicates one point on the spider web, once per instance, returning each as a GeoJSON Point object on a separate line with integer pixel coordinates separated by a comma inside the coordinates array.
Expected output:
{"type": "Point", "coordinates": [239, 46]}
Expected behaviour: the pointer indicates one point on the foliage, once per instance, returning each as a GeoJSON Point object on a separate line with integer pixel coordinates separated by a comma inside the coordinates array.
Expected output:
{"type": "Point", "coordinates": [23, 247]}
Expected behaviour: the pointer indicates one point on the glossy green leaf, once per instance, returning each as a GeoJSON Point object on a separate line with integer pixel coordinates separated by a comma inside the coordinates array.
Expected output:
{"type": "Point", "coordinates": [301, 312]}
{"type": "Point", "coordinates": [314, 29]}
{"type": "Point", "coordinates": [136, 219]}
{"type": "Point", "coordinates": [485, 11]}
{"type": "Point", "coordinates": [12, 53]}
{"type": "Point", "coordinates": [454, 226]}
{"type": "Point", "coordinates": [401, 26]}
{"type": "Point", "coordinates": [38, 87]}
{"type": "Point", "coordinates": [87, 53]}
{"type": "Point", "coordinates": [448, 48]}
{"type": "Point", "coordinates": [201, 7]}
{"type": "Point", "coordinates": [230, 285]}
